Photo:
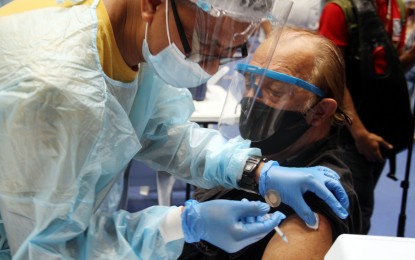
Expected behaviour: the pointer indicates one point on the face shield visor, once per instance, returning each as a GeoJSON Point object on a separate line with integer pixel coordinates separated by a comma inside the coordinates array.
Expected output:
{"type": "Point", "coordinates": [216, 32]}
{"type": "Point", "coordinates": [266, 106]}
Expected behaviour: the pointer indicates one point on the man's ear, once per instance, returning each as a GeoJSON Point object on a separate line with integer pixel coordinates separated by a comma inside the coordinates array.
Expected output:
{"type": "Point", "coordinates": [148, 8]}
{"type": "Point", "coordinates": [322, 111]}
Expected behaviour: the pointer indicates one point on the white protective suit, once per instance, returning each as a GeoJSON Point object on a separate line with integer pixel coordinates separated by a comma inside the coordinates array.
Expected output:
{"type": "Point", "coordinates": [66, 135]}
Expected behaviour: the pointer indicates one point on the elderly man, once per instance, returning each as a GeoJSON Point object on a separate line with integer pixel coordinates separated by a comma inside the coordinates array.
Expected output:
{"type": "Point", "coordinates": [294, 118]}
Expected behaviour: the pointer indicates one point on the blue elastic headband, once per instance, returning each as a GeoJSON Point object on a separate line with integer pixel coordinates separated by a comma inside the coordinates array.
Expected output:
{"type": "Point", "coordinates": [243, 67]}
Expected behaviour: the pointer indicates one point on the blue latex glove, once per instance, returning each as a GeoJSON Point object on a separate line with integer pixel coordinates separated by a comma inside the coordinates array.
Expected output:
{"type": "Point", "coordinates": [229, 225]}
{"type": "Point", "coordinates": [292, 183]}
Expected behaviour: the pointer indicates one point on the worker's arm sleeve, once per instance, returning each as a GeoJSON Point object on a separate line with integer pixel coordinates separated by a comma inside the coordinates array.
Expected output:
{"type": "Point", "coordinates": [153, 233]}
{"type": "Point", "coordinates": [170, 142]}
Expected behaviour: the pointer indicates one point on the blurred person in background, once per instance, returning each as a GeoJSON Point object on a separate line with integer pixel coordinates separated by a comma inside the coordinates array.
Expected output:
{"type": "Point", "coordinates": [371, 36]}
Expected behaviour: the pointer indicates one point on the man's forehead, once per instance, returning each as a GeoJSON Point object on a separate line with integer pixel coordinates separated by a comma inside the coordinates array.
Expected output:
{"type": "Point", "coordinates": [285, 60]}
{"type": "Point", "coordinates": [275, 65]}
{"type": "Point", "coordinates": [273, 84]}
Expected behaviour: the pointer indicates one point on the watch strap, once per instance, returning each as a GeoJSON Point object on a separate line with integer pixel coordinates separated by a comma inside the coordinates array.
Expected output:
{"type": "Point", "coordinates": [247, 181]}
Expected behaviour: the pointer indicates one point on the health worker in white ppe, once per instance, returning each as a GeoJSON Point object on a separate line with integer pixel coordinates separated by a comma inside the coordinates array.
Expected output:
{"type": "Point", "coordinates": [83, 91]}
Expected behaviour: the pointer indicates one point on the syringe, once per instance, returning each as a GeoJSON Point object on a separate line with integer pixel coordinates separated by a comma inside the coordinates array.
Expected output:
{"type": "Point", "coordinates": [273, 199]}
{"type": "Point", "coordinates": [279, 231]}
{"type": "Point", "coordinates": [281, 234]}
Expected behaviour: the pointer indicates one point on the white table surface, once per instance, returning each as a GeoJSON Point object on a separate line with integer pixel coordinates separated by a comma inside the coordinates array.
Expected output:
{"type": "Point", "coordinates": [366, 247]}
{"type": "Point", "coordinates": [210, 109]}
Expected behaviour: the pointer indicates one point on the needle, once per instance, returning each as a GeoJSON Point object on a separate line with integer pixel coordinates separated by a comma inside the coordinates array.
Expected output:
{"type": "Point", "coordinates": [281, 234]}
{"type": "Point", "coordinates": [278, 230]}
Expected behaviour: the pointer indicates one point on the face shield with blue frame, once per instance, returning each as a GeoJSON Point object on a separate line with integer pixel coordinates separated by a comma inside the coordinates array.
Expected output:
{"type": "Point", "coordinates": [267, 106]}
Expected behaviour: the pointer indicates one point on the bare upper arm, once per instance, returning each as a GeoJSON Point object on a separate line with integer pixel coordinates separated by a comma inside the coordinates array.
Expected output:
{"type": "Point", "coordinates": [303, 243]}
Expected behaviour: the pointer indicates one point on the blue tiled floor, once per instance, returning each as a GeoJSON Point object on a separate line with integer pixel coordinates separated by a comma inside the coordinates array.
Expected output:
{"type": "Point", "coordinates": [384, 221]}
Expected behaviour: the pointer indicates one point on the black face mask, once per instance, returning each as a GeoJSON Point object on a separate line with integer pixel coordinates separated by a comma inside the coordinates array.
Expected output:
{"type": "Point", "coordinates": [276, 129]}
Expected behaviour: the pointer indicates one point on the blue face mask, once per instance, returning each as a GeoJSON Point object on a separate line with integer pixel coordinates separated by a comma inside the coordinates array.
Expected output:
{"type": "Point", "coordinates": [172, 67]}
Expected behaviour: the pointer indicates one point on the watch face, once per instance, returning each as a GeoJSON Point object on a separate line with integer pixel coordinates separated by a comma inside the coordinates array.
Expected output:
{"type": "Point", "coordinates": [249, 166]}
{"type": "Point", "coordinates": [247, 181]}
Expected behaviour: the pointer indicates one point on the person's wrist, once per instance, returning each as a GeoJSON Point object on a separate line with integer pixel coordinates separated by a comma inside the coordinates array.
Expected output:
{"type": "Point", "coordinates": [258, 171]}
{"type": "Point", "coordinates": [206, 248]}
{"type": "Point", "coordinates": [358, 131]}
{"type": "Point", "coordinates": [263, 178]}
{"type": "Point", "coordinates": [189, 216]}
{"type": "Point", "coordinates": [361, 136]}
{"type": "Point", "coordinates": [249, 178]}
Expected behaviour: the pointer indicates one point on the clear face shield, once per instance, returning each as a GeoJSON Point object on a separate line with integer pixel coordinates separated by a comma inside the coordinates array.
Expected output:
{"type": "Point", "coordinates": [216, 32]}
{"type": "Point", "coordinates": [267, 106]}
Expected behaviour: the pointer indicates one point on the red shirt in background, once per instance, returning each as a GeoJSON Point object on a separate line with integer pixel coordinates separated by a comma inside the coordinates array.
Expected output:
{"type": "Point", "coordinates": [333, 23]}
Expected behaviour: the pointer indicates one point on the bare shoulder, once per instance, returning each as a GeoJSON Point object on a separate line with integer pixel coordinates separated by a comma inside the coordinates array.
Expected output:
{"type": "Point", "coordinates": [303, 243]}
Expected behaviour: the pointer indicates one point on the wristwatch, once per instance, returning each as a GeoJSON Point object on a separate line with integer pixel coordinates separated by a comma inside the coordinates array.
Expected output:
{"type": "Point", "coordinates": [248, 182]}
{"type": "Point", "coordinates": [207, 248]}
